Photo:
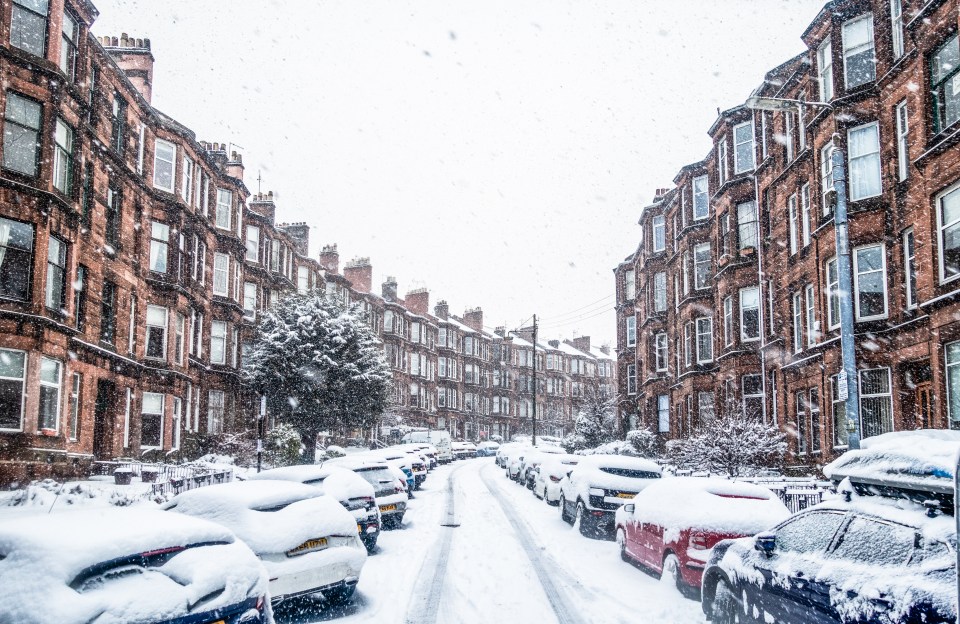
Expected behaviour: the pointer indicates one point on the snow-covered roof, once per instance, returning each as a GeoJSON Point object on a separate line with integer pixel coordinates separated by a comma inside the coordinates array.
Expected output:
{"type": "Point", "coordinates": [571, 350]}
{"type": "Point", "coordinates": [600, 355]}
{"type": "Point", "coordinates": [520, 342]}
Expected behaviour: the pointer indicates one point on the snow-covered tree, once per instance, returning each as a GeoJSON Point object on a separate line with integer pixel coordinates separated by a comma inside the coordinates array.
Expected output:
{"type": "Point", "coordinates": [734, 445]}
{"type": "Point", "coordinates": [283, 446]}
{"type": "Point", "coordinates": [320, 366]}
{"type": "Point", "coordinates": [595, 419]}
{"type": "Point", "coordinates": [644, 442]}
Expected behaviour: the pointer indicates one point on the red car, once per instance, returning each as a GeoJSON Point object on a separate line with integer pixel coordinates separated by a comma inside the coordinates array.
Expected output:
{"type": "Point", "coordinates": [671, 525]}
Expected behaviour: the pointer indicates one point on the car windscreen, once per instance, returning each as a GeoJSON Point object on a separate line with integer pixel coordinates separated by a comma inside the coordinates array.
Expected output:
{"type": "Point", "coordinates": [630, 473]}
{"type": "Point", "coordinates": [377, 477]}
{"type": "Point", "coordinates": [98, 573]}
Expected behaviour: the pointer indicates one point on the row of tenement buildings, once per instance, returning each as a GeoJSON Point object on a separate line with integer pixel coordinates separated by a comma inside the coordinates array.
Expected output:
{"type": "Point", "coordinates": [134, 263]}
{"type": "Point", "coordinates": [731, 299]}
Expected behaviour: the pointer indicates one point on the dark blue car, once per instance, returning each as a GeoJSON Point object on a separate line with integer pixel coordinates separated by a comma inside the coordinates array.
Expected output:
{"type": "Point", "coordinates": [872, 559]}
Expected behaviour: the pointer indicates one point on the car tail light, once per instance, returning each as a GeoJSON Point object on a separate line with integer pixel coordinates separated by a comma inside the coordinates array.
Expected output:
{"type": "Point", "coordinates": [698, 541]}
{"type": "Point", "coordinates": [555, 479]}
{"type": "Point", "coordinates": [260, 602]}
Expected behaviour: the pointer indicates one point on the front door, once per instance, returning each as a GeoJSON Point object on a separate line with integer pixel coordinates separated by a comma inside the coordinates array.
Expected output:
{"type": "Point", "coordinates": [102, 429]}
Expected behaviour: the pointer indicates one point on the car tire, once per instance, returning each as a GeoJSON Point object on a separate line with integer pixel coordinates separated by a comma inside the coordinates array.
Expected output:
{"type": "Point", "coordinates": [725, 608]}
{"type": "Point", "coordinates": [563, 511]}
{"type": "Point", "coordinates": [622, 543]}
{"type": "Point", "coordinates": [670, 571]}
{"type": "Point", "coordinates": [582, 521]}
{"type": "Point", "coordinates": [370, 543]}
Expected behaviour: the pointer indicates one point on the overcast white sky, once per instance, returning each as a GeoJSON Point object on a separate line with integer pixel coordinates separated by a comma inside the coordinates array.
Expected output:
{"type": "Point", "coordinates": [497, 152]}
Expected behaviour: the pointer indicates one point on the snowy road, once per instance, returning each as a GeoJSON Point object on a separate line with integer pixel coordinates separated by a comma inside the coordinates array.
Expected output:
{"type": "Point", "coordinates": [477, 547]}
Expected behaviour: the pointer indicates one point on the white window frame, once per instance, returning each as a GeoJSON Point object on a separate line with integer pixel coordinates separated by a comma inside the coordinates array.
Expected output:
{"type": "Point", "coordinates": [896, 28]}
{"type": "Point", "coordinates": [746, 306]}
{"type": "Point", "coordinates": [223, 218]}
{"type": "Point", "coordinates": [833, 292]}
{"type": "Point", "coordinates": [631, 379]}
{"type": "Point", "coordinates": [805, 214]}
{"type": "Point", "coordinates": [163, 325]}
{"type": "Point", "coordinates": [728, 320]}
{"type": "Point", "coordinates": [661, 351]}
{"type": "Point", "coordinates": [218, 336]}
{"type": "Point", "coordinates": [910, 268]}
{"type": "Point", "coordinates": [56, 386]}
{"type": "Point", "coordinates": [826, 175]}
{"type": "Point", "coordinates": [159, 160]}
{"type": "Point", "coordinates": [663, 413]}
{"type": "Point", "coordinates": [738, 166]}
{"type": "Point", "coordinates": [659, 238]}
{"type": "Point", "coordinates": [883, 275]}
{"type": "Point", "coordinates": [221, 274]}
{"type": "Point", "coordinates": [849, 51]}
{"type": "Point", "coordinates": [941, 226]}
{"type": "Point", "coordinates": [660, 292]}
{"type": "Point", "coordinates": [252, 245]}
{"type": "Point", "coordinates": [872, 156]}
{"type": "Point", "coordinates": [704, 339]}
{"type": "Point", "coordinates": [701, 197]}
{"type": "Point", "coordinates": [810, 301]}
{"type": "Point", "coordinates": [722, 160]}
{"type": "Point", "coordinates": [215, 425]}
{"type": "Point", "coordinates": [825, 69]}
{"type": "Point", "coordinates": [143, 412]}
{"type": "Point", "coordinates": [186, 189]}
{"type": "Point", "coordinates": [702, 276]}
{"type": "Point", "coordinates": [631, 330]}
{"type": "Point", "coordinates": [797, 322]}
{"type": "Point", "coordinates": [948, 349]}
{"type": "Point", "coordinates": [793, 224]}
{"type": "Point", "coordinates": [903, 139]}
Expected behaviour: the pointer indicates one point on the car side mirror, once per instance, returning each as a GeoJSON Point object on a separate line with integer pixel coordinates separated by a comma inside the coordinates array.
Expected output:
{"type": "Point", "coordinates": [765, 543]}
{"type": "Point", "coordinates": [569, 472]}
{"type": "Point", "coordinates": [628, 508]}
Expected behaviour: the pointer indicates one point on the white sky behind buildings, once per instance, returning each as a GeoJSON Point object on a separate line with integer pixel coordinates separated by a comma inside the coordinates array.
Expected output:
{"type": "Point", "coordinates": [496, 152]}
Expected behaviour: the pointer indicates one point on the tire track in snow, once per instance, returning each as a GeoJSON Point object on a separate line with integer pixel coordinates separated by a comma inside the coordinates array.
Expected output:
{"type": "Point", "coordinates": [425, 603]}
{"type": "Point", "coordinates": [548, 571]}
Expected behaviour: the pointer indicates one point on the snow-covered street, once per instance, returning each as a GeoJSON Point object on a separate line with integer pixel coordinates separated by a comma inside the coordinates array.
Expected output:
{"type": "Point", "coordinates": [476, 547]}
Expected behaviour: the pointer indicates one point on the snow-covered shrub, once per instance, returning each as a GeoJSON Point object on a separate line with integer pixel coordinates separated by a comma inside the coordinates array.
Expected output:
{"type": "Point", "coordinates": [732, 445]}
{"type": "Point", "coordinates": [574, 442]}
{"type": "Point", "coordinates": [282, 446]}
{"type": "Point", "coordinates": [333, 451]}
{"type": "Point", "coordinates": [644, 442]}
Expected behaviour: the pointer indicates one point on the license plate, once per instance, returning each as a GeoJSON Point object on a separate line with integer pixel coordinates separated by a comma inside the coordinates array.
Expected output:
{"type": "Point", "coordinates": [308, 546]}
{"type": "Point", "coordinates": [359, 529]}
{"type": "Point", "coordinates": [384, 508]}
{"type": "Point", "coordinates": [625, 495]}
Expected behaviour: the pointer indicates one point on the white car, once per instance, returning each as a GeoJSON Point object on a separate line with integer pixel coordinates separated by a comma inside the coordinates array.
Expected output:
{"type": "Point", "coordinates": [549, 473]}
{"type": "Point", "coordinates": [403, 459]}
{"type": "Point", "coordinates": [504, 452]}
{"type": "Point", "coordinates": [598, 485]}
{"type": "Point", "coordinates": [513, 458]}
{"type": "Point", "coordinates": [390, 494]}
{"type": "Point", "coordinates": [428, 451]}
{"type": "Point", "coordinates": [531, 459]}
{"type": "Point", "coordinates": [88, 565]}
{"type": "Point", "coordinates": [439, 438]}
{"type": "Point", "coordinates": [307, 541]}
{"type": "Point", "coordinates": [355, 494]}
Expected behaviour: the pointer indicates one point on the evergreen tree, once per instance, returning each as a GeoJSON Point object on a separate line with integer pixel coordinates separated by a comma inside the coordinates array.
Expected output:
{"type": "Point", "coordinates": [320, 366]}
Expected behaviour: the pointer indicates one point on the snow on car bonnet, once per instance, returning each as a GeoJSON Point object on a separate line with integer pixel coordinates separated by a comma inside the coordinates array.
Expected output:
{"type": "Point", "coordinates": [922, 459]}
{"type": "Point", "coordinates": [709, 505]}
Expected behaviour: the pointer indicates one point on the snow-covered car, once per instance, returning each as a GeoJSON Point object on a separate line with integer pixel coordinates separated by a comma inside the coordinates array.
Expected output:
{"type": "Point", "coordinates": [419, 463]}
{"type": "Point", "coordinates": [503, 453]}
{"type": "Point", "coordinates": [512, 460]}
{"type": "Point", "coordinates": [531, 460]}
{"type": "Point", "coordinates": [306, 540]}
{"type": "Point", "coordinates": [487, 449]}
{"type": "Point", "coordinates": [599, 484]}
{"type": "Point", "coordinates": [427, 450]}
{"type": "Point", "coordinates": [344, 485]}
{"type": "Point", "coordinates": [673, 523]}
{"type": "Point", "coordinates": [464, 450]}
{"type": "Point", "coordinates": [128, 565]}
{"type": "Point", "coordinates": [391, 496]}
{"type": "Point", "coordinates": [547, 476]}
{"type": "Point", "coordinates": [439, 439]}
{"type": "Point", "coordinates": [881, 552]}
{"type": "Point", "coordinates": [404, 460]}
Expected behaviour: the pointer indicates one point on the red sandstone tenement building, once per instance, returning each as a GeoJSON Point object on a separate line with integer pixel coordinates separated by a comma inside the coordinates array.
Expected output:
{"type": "Point", "coordinates": [134, 263]}
{"type": "Point", "coordinates": [731, 297]}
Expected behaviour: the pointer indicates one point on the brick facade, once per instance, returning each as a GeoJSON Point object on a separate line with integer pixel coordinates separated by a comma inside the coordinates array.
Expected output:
{"type": "Point", "coordinates": [759, 210]}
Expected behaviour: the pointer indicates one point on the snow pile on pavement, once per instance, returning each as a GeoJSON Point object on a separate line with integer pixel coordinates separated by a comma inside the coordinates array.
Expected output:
{"type": "Point", "coordinates": [49, 493]}
{"type": "Point", "coordinates": [710, 505]}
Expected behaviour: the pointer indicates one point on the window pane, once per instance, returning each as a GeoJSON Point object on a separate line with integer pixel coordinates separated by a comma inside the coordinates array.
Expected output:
{"type": "Point", "coordinates": [808, 533]}
{"type": "Point", "coordinates": [28, 28]}
{"type": "Point", "coordinates": [21, 134]}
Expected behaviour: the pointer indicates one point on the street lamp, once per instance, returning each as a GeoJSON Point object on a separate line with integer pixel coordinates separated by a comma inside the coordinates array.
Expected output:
{"type": "Point", "coordinates": [847, 386]}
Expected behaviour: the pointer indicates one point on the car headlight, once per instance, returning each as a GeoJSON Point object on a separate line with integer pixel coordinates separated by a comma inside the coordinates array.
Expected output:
{"type": "Point", "coordinates": [597, 492]}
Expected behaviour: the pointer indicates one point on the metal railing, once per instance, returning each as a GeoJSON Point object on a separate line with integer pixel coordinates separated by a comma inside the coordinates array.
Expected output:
{"type": "Point", "coordinates": [167, 479]}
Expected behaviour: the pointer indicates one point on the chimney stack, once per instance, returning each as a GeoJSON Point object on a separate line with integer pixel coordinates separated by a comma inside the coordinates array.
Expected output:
{"type": "Point", "coordinates": [441, 310]}
{"type": "Point", "coordinates": [300, 233]}
{"type": "Point", "coordinates": [473, 318]}
{"type": "Point", "coordinates": [235, 166]}
{"type": "Point", "coordinates": [263, 205]}
{"type": "Point", "coordinates": [360, 273]}
{"type": "Point", "coordinates": [582, 343]}
{"type": "Point", "coordinates": [418, 301]}
{"type": "Point", "coordinates": [329, 259]}
{"type": "Point", "coordinates": [133, 56]}
{"type": "Point", "coordinates": [389, 289]}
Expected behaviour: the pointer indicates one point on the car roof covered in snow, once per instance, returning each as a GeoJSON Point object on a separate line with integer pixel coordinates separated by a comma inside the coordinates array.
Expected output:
{"type": "Point", "coordinates": [922, 460]}
{"type": "Point", "coordinates": [620, 461]}
{"type": "Point", "coordinates": [337, 481]}
{"type": "Point", "coordinates": [709, 504]}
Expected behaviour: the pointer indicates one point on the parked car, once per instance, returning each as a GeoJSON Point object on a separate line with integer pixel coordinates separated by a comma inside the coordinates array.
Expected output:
{"type": "Point", "coordinates": [592, 490]}
{"type": "Point", "coordinates": [306, 540]}
{"type": "Point", "coordinates": [439, 438]}
{"type": "Point", "coordinates": [355, 494]}
{"type": "Point", "coordinates": [487, 449]}
{"type": "Point", "coordinates": [883, 552]}
{"type": "Point", "coordinates": [405, 461]}
{"type": "Point", "coordinates": [513, 459]}
{"type": "Point", "coordinates": [503, 453]}
{"type": "Point", "coordinates": [531, 460]}
{"type": "Point", "coordinates": [547, 476]}
{"type": "Point", "coordinates": [84, 566]}
{"type": "Point", "coordinates": [427, 450]}
{"type": "Point", "coordinates": [391, 496]}
{"type": "Point", "coordinates": [671, 525]}
{"type": "Point", "coordinates": [463, 450]}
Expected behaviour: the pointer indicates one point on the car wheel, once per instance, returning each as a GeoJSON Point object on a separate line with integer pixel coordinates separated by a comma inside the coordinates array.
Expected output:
{"type": "Point", "coordinates": [563, 510]}
{"type": "Point", "coordinates": [726, 606]}
{"type": "Point", "coordinates": [622, 543]}
{"type": "Point", "coordinates": [370, 543]}
{"type": "Point", "coordinates": [582, 521]}
{"type": "Point", "coordinates": [671, 571]}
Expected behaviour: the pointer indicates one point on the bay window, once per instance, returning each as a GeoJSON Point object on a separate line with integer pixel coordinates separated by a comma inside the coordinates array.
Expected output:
{"type": "Point", "coordinates": [945, 84]}
{"type": "Point", "coordinates": [702, 273]}
{"type": "Point", "coordinates": [157, 322]}
{"type": "Point", "coordinates": [218, 342]}
{"type": "Point", "coordinates": [56, 287]}
{"type": "Point", "coordinates": [164, 159]}
{"type": "Point", "coordinates": [159, 246]}
{"type": "Point", "coordinates": [864, 146]}
{"type": "Point", "coordinates": [870, 282]}
{"type": "Point", "coordinates": [825, 70]}
{"type": "Point", "coordinates": [704, 340]}
{"type": "Point", "coordinates": [948, 223]}
{"type": "Point", "coordinates": [63, 158]}
{"type": "Point", "coordinates": [701, 198]}
{"type": "Point", "coordinates": [221, 274]}
{"type": "Point", "coordinates": [21, 134]}
{"type": "Point", "coordinates": [859, 60]}
{"type": "Point", "coordinates": [151, 420]}
{"type": "Point", "coordinates": [51, 379]}
{"type": "Point", "coordinates": [13, 368]}
{"type": "Point", "coordinates": [28, 25]}
{"type": "Point", "coordinates": [750, 313]}
{"type": "Point", "coordinates": [224, 209]}
{"type": "Point", "coordinates": [743, 147]}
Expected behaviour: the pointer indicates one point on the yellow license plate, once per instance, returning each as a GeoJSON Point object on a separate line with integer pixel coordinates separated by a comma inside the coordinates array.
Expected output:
{"type": "Point", "coordinates": [219, 622]}
{"type": "Point", "coordinates": [625, 495]}
{"type": "Point", "coordinates": [388, 508]}
{"type": "Point", "coordinates": [359, 529]}
{"type": "Point", "coordinates": [308, 546]}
